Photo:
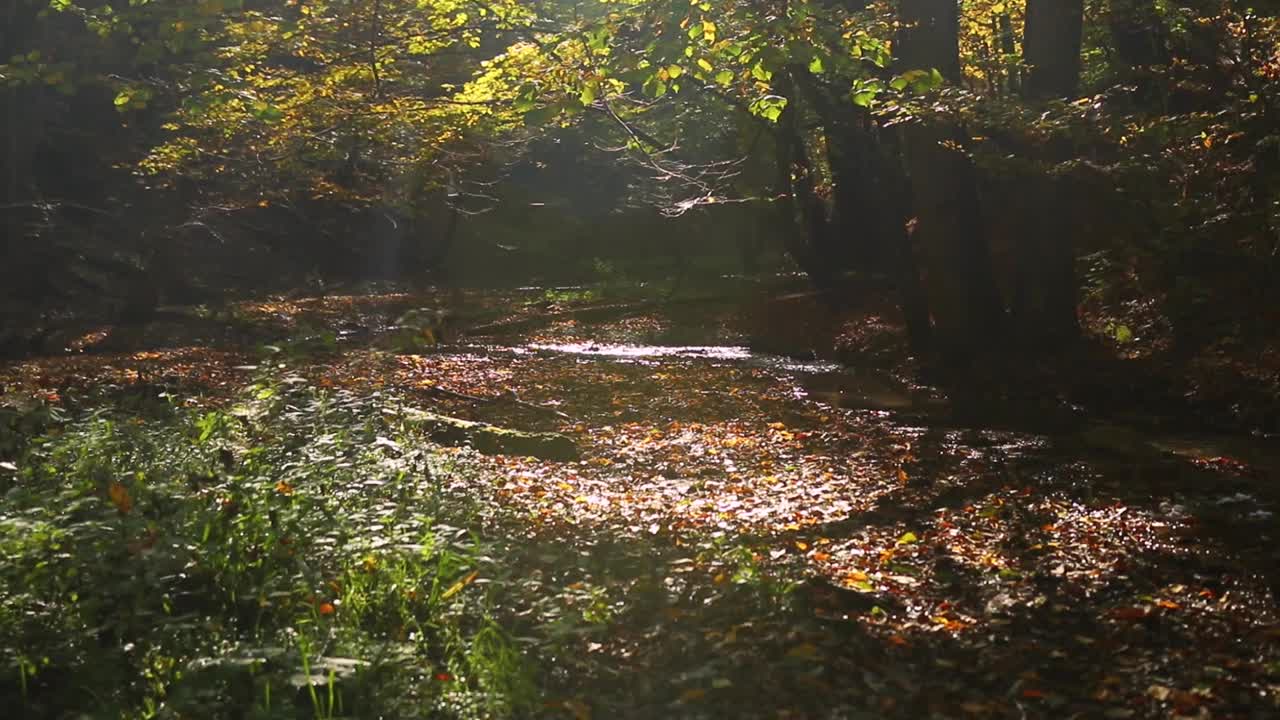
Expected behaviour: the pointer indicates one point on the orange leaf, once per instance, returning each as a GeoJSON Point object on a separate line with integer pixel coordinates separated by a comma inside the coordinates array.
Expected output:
{"type": "Point", "coordinates": [327, 609]}
{"type": "Point", "coordinates": [284, 488]}
{"type": "Point", "coordinates": [119, 495]}
{"type": "Point", "coordinates": [692, 695]}
{"type": "Point", "coordinates": [579, 709]}
{"type": "Point", "coordinates": [1129, 613]}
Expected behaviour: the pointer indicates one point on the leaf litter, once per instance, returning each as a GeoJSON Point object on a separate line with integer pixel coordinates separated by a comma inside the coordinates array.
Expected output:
{"type": "Point", "coordinates": [736, 548]}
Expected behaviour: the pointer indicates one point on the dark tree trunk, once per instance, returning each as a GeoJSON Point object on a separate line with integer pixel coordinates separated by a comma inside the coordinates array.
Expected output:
{"type": "Point", "coordinates": [1051, 45]}
{"type": "Point", "coordinates": [1007, 47]}
{"type": "Point", "coordinates": [869, 229]}
{"type": "Point", "coordinates": [905, 268]}
{"type": "Point", "coordinates": [930, 37]}
{"type": "Point", "coordinates": [1138, 39]}
{"type": "Point", "coordinates": [798, 205]}
{"type": "Point", "coordinates": [1045, 296]}
{"type": "Point", "coordinates": [963, 299]}
{"type": "Point", "coordinates": [961, 290]}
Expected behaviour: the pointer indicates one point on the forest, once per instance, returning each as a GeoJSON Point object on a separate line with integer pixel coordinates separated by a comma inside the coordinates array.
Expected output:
{"type": "Point", "coordinates": [698, 359]}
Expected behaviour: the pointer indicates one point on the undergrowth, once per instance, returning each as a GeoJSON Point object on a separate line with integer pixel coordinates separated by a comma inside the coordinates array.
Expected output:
{"type": "Point", "coordinates": [297, 555]}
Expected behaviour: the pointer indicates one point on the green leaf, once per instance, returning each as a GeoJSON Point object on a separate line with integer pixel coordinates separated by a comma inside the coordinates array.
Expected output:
{"type": "Point", "coordinates": [815, 66]}
{"type": "Point", "coordinates": [1123, 334]}
{"type": "Point", "coordinates": [589, 93]}
{"type": "Point", "coordinates": [759, 72]}
{"type": "Point", "coordinates": [266, 112]}
{"type": "Point", "coordinates": [769, 107]}
{"type": "Point", "coordinates": [702, 63]}
{"type": "Point", "coordinates": [908, 538]}
{"type": "Point", "coordinates": [599, 39]}
{"type": "Point", "coordinates": [123, 99]}
{"type": "Point", "coordinates": [527, 99]}
{"type": "Point", "coordinates": [674, 71]}
{"type": "Point", "coordinates": [655, 87]}
{"type": "Point", "coordinates": [725, 77]}
{"type": "Point", "coordinates": [542, 115]}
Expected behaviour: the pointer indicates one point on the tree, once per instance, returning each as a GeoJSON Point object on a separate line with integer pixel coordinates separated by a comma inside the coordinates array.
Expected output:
{"type": "Point", "coordinates": [1051, 42]}
{"type": "Point", "coordinates": [1043, 306]}
{"type": "Point", "coordinates": [963, 300]}
{"type": "Point", "coordinates": [1137, 34]}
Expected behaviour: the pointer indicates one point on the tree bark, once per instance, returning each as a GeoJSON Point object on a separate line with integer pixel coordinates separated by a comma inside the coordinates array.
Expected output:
{"type": "Point", "coordinates": [798, 208]}
{"type": "Point", "coordinates": [1137, 33]}
{"type": "Point", "coordinates": [960, 286]}
{"type": "Point", "coordinates": [930, 37]}
{"type": "Point", "coordinates": [959, 283]}
{"type": "Point", "coordinates": [1045, 297]}
{"type": "Point", "coordinates": [1051, 46]}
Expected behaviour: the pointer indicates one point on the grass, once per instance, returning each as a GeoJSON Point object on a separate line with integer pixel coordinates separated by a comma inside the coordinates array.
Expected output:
{"type": "Point", "coordinates": [299, 554]}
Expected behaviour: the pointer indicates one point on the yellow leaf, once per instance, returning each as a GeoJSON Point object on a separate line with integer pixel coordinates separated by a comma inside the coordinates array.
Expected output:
{"type": "Point", "coordinates": [805, 651]}
{"type": "Point", "coordinates": [458, 586]}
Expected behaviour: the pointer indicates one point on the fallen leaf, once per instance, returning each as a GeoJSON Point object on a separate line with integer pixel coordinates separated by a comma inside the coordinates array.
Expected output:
{"type": "Point", "coordinates": [1129, 613]}
{"type": "Point", "coordinates": [805, 651]}
{"type": "Point", "coordinates": [579, 709]}
{"type": "Point", "coordinates": [692, 695]}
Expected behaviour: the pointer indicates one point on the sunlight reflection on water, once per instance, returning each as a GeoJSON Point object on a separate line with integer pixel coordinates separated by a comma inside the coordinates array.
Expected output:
{"type": "Point", "coordinates": [713, 352]}
{"type": "Point", "coordinates": [724, 353]}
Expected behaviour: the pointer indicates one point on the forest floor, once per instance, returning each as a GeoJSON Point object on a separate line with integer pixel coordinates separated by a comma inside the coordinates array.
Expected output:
{"type": "Point", "coordinates": [745, 534]}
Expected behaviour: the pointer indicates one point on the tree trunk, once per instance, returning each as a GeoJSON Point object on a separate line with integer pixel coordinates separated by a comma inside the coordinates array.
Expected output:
{"type": "Point", "coordinates": [960, 286]}
{"type": "Point", "coordinates": [1005, 31]}
{"type": "Point", "coordinates": [1045, 295]}
{"type": "Point", "coordinates": [961, 290]}
{"type": "Point", "coordinates": [1051, 46]}
{"type": "Point", "coordinates": [797, 202]}
{"type": "Point", "coordinates": [1137, 35]}
{"type": "Point", "coordinates": [930, 37]}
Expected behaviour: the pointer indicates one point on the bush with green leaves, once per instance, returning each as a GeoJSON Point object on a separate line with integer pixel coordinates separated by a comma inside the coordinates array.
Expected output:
{"type": "Point", "coordinates": [295, 555]}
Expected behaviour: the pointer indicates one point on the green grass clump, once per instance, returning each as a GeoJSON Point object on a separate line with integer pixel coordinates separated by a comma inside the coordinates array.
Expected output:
{"type": "Point", "coordinates": [296, 555]}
